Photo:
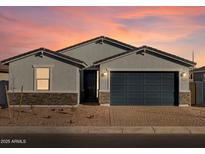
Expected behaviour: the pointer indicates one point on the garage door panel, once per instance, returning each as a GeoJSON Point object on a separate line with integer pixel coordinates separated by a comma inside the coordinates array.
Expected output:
{"type": "Point", "coordinates": [118, 89]}
{"type": "Point", "coordinates": [135, 99]}
{"type": "Point", "coordinates": [134, 81]}
{"type": "Point", "coordinates": [138, 95]}
{"type": "Point", "coordinates": [142, 88]}
{"type": "Point", "coordinates": [167, 98]}
{"type": "Point", "coordinates": [167, 88]}
{"type": "Point", "coordinates": [152, 78]}
{"type": "Point", "coordinates": [152, 88]}
{"type": "Point", "coordinates": [167, 76]}
{"type": "Point", "coordinates": [152, 98]}
{"type": "Point", "coordinates": [134, 76]}
{"type": "Point", "coordinates": [134, 88]}
{"type": "Point", "coordinates": [119, 94]}
{"type": "Point", "coordinates": [135, 102]}
{"type": "Point", "coordinates": [118, 78]}
{"type": "Point", "coordinates": [118, 100]}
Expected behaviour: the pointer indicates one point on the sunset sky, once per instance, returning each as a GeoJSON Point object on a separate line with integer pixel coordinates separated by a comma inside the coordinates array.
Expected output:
{"type": "Point", "coordinates": [178, 30]}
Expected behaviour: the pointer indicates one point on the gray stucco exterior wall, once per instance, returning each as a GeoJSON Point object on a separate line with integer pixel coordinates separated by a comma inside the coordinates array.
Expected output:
{"type": "Point", "coordinates": [64, 77]}
{"type": "Point", "coordinates": [146, 62]}
{"type": "Point", "coordinates": [93, 52]}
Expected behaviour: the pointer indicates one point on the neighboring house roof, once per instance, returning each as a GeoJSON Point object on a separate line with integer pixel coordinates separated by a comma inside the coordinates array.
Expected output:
{"type": "Point", "coordinates": [50, 52]}
{"type": "Point", "coordinates": [4, 68]}
{"type": "Point", "coordinates": [102, 39]}
{"type": "Point", "coordinates": [198, 70]}
{"type": "Point", "coordinates": [150, 49]}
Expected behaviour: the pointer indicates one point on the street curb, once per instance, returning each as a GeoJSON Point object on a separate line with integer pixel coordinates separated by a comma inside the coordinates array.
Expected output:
{"type": "Point", "coordinates": [101, 130]}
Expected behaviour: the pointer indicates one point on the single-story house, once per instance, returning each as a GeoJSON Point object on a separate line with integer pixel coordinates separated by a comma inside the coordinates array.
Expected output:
{"type": "Point", "coordinates": [101, 70]}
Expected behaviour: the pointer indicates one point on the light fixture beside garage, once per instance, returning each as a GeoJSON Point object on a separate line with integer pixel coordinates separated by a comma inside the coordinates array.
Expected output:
{"type": "Point", "coordinates": [104, 73]}
{"type": "Point", "coordinates": [183, 74]}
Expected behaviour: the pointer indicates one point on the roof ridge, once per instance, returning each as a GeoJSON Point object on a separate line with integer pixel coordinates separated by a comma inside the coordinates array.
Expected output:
{"type": "Point", "coordinates": [93, 39]}
{"type": "Point", "coordinates": [74, 45]}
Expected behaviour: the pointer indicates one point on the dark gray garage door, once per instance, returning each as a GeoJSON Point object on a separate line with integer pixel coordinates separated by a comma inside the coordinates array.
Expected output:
{"type": "Point", "coordinates": [144, 88]}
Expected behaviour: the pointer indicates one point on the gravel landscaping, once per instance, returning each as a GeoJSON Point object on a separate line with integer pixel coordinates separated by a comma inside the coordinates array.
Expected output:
{"type": "Point", "coordinates": [86, 115]}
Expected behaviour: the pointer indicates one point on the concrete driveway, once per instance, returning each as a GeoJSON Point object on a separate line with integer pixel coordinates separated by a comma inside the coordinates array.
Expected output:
{"type": "Point", "coordinates": [86, 115]}
{"type": "Point", "coordinates": [157, 116]}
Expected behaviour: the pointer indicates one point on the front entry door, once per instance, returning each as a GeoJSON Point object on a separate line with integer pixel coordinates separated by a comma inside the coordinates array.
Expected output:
{"type": "Point", "coordinates": [90, 85]}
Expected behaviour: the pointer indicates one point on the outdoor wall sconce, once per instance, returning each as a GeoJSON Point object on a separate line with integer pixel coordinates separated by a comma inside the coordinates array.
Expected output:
{"type": "Point", "coordinates": [183, 74]}
{"type": "Point", "coordinates": [104, 74]}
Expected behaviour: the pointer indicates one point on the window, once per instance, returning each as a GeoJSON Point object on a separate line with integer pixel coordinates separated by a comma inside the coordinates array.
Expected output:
{"type": "Point", "coordinates": [42, 79]}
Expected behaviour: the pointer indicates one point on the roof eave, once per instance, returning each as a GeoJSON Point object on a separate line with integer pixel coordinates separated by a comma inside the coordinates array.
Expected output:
{"type": "Point", "coordinates": [191, 64]}
{"type": "Point", "coordinates": [9, 60]}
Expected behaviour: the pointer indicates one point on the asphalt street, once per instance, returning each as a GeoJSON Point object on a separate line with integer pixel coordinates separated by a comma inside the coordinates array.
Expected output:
{"type": "Point", "coordinates": [101, 141]}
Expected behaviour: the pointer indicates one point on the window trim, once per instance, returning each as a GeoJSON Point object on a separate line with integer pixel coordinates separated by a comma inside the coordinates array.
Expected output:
{"type": "Point", "coordinates": [49, 79]}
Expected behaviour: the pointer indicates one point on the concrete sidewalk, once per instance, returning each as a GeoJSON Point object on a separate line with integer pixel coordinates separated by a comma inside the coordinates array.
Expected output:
{"type": "Point", "coordinates": [100, 130]}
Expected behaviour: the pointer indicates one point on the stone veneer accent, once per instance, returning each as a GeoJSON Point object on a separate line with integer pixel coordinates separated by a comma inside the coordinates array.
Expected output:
{"type": "Point", "coordinates": [104, 97]}
{"type": "Point", "coordinates": [44, 98]}
{"type": "Point", "coordinates": [184, 98]}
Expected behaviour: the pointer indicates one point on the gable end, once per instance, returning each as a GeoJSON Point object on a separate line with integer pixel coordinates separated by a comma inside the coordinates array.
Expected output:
{"type": "Point", "coordinates": [101, 40]}
{"type": "Point", "coordinates": [152, 51]}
